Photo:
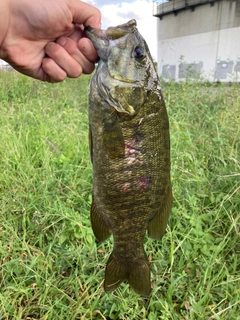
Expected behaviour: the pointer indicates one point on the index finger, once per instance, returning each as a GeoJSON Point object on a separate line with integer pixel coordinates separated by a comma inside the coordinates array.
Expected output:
{"type": "Point", "coordinates": [84, 13]}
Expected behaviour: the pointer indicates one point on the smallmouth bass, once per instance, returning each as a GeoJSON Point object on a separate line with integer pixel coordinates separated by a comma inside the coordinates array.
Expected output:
{"type": "Point", "coordinates": [130, 152]}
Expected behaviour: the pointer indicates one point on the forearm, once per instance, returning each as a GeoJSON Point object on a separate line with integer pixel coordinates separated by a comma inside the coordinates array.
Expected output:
{"type": "Point", "coordinates": [4, 24]}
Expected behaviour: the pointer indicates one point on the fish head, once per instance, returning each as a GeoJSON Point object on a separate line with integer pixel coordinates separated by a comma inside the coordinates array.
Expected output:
{"type": "Point", "coordinates": [125, 70]}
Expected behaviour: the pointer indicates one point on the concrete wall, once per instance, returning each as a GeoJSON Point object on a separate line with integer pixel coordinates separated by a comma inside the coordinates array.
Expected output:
{"type": "Point", "coordinates": [206, 41]}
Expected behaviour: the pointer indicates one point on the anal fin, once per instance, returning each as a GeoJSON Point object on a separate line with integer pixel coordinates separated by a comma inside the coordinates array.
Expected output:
{"type": "Point", "coordinates": [158, 224]}
{"type": "Point", "coordinates": [101, 228]}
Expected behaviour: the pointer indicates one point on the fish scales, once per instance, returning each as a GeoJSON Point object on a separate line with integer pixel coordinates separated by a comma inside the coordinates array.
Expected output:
{"type": "Point", "coordinates": [130, 152]}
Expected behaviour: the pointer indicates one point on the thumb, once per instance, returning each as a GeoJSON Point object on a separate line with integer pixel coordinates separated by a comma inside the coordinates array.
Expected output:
{"type": "Point", "coordinates": [85, 14]}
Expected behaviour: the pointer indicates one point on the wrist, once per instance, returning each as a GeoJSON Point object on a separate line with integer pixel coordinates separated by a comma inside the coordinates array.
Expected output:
{"type": "Point", "coordinates": [4, 24]}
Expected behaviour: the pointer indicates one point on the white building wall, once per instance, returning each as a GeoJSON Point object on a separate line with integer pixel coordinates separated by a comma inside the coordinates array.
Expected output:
{"type": "Point", "coordinates": [205, 41]}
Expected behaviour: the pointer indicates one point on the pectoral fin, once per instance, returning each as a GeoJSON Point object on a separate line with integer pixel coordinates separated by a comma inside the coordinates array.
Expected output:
{"type": "Point", "coordinates": [113, 140]}
{"type": "Point", "coordinates": [158, 224]}
{"type": "Point", "coordinates": [100, 226]}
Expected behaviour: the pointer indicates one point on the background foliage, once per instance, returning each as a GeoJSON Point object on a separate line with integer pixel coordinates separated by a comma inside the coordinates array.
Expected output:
{"type": "Point", "coordinates": [50, 266]}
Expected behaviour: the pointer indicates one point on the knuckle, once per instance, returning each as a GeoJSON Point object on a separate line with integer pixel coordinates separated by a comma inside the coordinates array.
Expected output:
{"type": "Point", "coordinates": [53, 49]}
{"type": "Point", "coordinates": [71, 49]}
{"type": "Point", "coordinates": [98, 12]}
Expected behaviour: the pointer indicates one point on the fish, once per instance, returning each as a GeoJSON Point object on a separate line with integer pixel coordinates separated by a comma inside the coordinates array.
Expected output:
{"type": "Point", "coordinates": [130, 153]}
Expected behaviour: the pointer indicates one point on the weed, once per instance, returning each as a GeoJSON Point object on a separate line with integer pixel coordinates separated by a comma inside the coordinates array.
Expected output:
{"type": "Point", "coordinates": [50, 266]}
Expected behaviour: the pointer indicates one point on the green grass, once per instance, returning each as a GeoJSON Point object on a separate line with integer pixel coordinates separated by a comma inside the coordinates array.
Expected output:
{"type": "Point", "coordinates": [50, 266]}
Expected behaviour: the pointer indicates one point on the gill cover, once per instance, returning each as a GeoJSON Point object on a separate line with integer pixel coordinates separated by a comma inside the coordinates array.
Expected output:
{"type": "Point", "coordinates": [124, 66]}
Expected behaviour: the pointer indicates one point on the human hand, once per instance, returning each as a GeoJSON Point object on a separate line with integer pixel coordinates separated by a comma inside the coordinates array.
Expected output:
{"type": "Point", "coordinates": [45, 39]}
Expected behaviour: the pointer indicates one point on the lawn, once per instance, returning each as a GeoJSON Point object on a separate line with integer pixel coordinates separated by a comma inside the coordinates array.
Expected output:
{"type": "Point", "coordinates": [50, 264]}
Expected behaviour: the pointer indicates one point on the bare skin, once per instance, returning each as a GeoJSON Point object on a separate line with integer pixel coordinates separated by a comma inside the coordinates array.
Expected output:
{"type": "Point", "coordinates": [45, 39]}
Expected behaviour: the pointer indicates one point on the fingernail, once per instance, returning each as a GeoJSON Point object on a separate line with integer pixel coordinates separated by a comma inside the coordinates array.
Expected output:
{"type": "Point", "coordinates": [61, 41]}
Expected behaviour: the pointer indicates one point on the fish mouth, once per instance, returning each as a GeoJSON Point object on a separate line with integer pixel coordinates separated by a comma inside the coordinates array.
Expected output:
{"type": "Point", "coordinates": [96, 34]}
{"type": "Point", "coordinates": [104, 39]}
{"type": "Point", "coordinates": [112, 33]}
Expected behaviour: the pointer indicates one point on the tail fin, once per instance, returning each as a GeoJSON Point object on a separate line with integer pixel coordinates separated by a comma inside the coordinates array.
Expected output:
{"type": "Point", "coordinates": [136, 272]}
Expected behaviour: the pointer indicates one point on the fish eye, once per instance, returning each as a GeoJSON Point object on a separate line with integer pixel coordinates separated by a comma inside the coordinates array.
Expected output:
{"type": "Point", "coordinates": [139, 52]}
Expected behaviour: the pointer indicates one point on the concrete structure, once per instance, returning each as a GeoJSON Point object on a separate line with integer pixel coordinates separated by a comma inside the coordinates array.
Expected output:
{"type": "Point", "coordinates": [198, 37]}
{"type": "Point", "coordinates": [4, 66]}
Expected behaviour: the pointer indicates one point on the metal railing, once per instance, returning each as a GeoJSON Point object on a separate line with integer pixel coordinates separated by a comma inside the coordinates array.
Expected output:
{"type": "Point", "coordinates": [162, 7]}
